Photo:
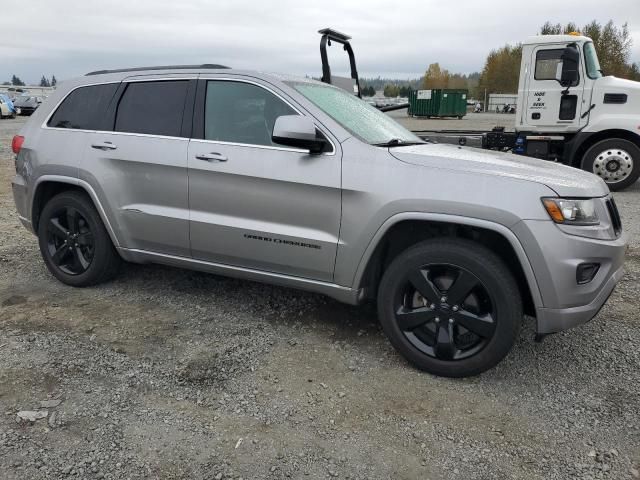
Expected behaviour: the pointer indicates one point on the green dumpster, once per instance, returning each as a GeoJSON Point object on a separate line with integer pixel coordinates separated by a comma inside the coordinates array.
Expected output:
{"type": "Point", "coordinates": [438, 103]}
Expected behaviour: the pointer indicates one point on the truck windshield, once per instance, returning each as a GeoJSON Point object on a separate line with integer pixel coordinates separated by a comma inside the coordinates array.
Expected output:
{"type": "Point", "coordinates": [361, 119]}
{"type": "Point", "coordinates": [591, 61]}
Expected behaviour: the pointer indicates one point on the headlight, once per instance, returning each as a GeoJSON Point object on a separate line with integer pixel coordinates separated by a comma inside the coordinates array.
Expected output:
{"type": "Point", "coordinates": [571, 211]}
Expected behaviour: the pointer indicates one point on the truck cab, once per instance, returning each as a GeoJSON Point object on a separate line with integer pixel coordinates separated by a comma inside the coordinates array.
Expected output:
{"type": "Point", "coordinates": [568, 111]}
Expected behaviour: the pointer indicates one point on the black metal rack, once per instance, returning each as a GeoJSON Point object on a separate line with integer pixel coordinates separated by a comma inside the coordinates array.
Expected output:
{"type": "Point", "coordinates": [329, 35]}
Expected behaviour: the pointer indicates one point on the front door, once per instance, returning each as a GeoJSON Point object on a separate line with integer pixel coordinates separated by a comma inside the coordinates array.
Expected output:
{"type": "Point", "coordinates": [547, 106]}
{"type": "Point", "coordinates": [253, 203]}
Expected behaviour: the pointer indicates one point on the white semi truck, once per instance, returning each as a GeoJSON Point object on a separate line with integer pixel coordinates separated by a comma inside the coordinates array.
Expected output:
{"type": "Point", "coordinates": [567, 110]}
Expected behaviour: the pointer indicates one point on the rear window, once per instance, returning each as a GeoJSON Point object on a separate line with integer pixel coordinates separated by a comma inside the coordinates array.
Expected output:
{"type": "Point", "coordinates": [154, 108]}
{"type": "Point", "coordinates": [84, 108]}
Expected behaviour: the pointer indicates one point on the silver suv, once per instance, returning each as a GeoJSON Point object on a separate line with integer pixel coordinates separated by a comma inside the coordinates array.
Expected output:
{"type": "Point", "coordinates": [295, 182]}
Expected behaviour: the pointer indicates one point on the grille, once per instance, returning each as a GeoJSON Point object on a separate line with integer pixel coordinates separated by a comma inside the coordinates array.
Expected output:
{"type": "Point", "coordinates": [615, 216]}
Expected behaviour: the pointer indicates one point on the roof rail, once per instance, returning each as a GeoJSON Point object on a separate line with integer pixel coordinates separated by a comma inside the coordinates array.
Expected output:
{"type": "Point", "coordinates": [160, 67]}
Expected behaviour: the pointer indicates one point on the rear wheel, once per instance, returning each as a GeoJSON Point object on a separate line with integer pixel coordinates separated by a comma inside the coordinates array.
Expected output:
{"type": "Point", "coordinates": [616, 161]}
{"type": "Point", "coordinates": [452, 308]}
{"type": "Point", "coordinates": [73, 242]}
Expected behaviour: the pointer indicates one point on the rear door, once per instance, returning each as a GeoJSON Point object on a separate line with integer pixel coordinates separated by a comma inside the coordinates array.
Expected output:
{"type": "Point", "coordinates": [139, 166]}
{"type": "Point", "coordinates": [546, 105]}
{"type": "Point", "coordinates": [254, 203]}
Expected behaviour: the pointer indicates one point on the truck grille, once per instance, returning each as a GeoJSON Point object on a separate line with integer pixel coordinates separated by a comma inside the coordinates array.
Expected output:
{"type": "Point", "coordinates": [615, 216]}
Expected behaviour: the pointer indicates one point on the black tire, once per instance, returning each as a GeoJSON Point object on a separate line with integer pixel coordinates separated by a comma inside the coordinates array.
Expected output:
{"type": "Point", "coordinates": [88, 258]}
{"type": "Point", "coordinates": [623, 168]}
{"type": "Point", "coordinates": [433, 260]}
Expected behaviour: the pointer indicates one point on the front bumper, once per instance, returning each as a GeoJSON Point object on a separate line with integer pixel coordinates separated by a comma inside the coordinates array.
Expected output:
{"type": "Point", "coordinates": [552, 320]}
{"type": "Point", "coordinates": [554, 257]}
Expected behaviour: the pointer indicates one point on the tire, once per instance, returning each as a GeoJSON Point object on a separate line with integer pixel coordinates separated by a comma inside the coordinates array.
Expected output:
{"type": "Point", "coordinates": [616, 161]}
{"type": "Point", "coordinates": [74, 243]}
{"type": "Point", "coordinates": [432, 334]}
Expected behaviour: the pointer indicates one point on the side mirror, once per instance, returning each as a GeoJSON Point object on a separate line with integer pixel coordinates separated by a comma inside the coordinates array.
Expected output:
{"type": "Point", "coordinates": [297, 131]}
{"type": "Point", "coordinates": [570, 60]}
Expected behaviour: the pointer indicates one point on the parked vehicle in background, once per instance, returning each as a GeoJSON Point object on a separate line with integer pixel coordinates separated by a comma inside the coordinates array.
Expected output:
{"type": "Point", "coordinates": [7, 109]}
{"type": "Point", "coordinates": [27, 104]}
{"type": "Point", "coordinates": [292, 181]}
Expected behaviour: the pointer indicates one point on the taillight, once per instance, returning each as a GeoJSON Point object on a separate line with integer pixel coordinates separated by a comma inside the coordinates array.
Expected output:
{"type": "Point", "coordinates": [16, 143]}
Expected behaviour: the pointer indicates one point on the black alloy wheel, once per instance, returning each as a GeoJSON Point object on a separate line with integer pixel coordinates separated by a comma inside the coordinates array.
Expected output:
{"type": "Point", "coordinates": [70, 241]}
{"type": "Point", "coordinates": [74, 243]}
{"type": "Point", "coordinates": [450, 306]}
{"type": "Point", "coordinates": [445, 311]}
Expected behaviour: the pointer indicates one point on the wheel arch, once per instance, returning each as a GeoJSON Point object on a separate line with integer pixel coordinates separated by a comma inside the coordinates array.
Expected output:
{"type": "Point", "coordinates": [404, 230]}
{"type": "Point", "coordinates": [577, 158]}
{"type": "Point", "coordinates": [47, 186]}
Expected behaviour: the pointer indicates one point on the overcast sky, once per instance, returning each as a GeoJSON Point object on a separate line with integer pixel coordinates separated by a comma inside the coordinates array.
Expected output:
{"type": "Point", "coordinates": [393, 39]}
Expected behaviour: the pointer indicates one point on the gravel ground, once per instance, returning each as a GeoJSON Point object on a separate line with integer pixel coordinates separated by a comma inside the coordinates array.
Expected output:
{"type": "Point", "coordinates": [170, 374]}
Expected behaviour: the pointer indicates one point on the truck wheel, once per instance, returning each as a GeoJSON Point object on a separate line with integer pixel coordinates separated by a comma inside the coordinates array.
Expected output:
{"type": "Point", "coordinates": [73, 242]}
{"type": "Point", "coordinates": [616, 161]}
{"type": "Point", "coordinates": [451, 307]}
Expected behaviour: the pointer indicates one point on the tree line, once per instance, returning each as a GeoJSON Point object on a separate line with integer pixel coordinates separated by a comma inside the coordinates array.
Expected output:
{"type": "Point", "coordinates": [44, 81]}
{"type": "Point", "coordinates": [502, 66]}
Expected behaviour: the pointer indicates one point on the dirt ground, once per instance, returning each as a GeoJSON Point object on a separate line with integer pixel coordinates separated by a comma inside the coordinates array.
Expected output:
{"type": "Point", "coordinates": [166, 373]}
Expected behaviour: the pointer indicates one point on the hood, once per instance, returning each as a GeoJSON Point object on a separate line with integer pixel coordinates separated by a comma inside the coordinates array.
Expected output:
{"type": "Point", "coordinates": [614, 85]}
{"type": "Point", "coordinates": [618, 83]}
{"type": "Point", "coordinates": [565, 181]}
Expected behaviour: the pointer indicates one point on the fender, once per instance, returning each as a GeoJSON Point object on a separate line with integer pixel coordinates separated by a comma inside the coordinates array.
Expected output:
{"type": "Point", "coordinates": [88, 189]}
{"type": "Point", "coordinates": [459, 220]}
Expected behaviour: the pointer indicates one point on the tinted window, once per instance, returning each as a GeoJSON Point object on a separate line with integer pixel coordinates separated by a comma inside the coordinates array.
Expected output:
{"type": "Point", "coordinates": [152, 107]}
{"type": "Point", "coordinates": [547, 62]}
{"type": "Point", "coordinates": [241, 113]}
{"type": "Point", "coordinates": [84, 108]}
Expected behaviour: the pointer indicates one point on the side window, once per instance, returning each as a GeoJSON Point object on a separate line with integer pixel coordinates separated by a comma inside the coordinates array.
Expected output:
{"type": "Point", "coordinates": [240, 112]}
{"type": "Point", "coordinates": [548, 63]}
{"type": "Point", "coordinates": [84, 108]}
{"type": "Point", "coordinates": [154, 108]}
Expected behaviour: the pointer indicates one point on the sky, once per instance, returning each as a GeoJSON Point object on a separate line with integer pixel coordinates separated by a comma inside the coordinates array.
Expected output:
{"type": "Point", "coordinates": [391, 39]}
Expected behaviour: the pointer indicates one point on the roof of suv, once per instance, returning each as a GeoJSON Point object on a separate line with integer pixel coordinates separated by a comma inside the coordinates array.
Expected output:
{"type": "Point", "coordinates": [160, 67]}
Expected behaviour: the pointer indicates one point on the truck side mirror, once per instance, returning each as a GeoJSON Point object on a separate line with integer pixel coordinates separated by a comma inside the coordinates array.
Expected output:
{"type": "Point", "coordinates": [570, 60]}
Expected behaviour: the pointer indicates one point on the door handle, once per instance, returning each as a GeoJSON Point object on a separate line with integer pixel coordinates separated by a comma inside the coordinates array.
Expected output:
{"type": "Point", "coordinates": [212, 157]}
{"type": "Point", "coordinates": [104, 146]}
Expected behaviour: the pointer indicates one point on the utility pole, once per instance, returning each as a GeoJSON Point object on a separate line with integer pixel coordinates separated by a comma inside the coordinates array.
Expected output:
{"type": "Point", "coordinates": [485, 100]}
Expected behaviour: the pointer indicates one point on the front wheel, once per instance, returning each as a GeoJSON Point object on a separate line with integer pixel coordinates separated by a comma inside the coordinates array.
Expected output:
{"type": "Point", "coordinates": [451, 307]}
{"type": "Point", "coordinates": [616, 161]}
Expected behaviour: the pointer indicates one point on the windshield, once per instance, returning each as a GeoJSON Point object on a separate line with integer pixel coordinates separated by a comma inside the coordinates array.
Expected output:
{"type": "Point", "coordinates": [361, 119]}
{"type": "Point", "coordinates": [591, 61]}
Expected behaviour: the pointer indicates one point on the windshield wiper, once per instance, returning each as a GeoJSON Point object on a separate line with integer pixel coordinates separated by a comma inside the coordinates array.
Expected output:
{"type": "Point", "coordinates": [396, 142]}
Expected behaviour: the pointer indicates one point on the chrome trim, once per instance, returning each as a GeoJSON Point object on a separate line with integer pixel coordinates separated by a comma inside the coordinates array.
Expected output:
{"type": "Point", "coordinates": [339, 292]}
{"type": "Point", "coordinates": [251, 145]}
{"type": "Point", "coordinates": [228, 79]}
{"type": "Point", "coordinates": [92, 193]}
